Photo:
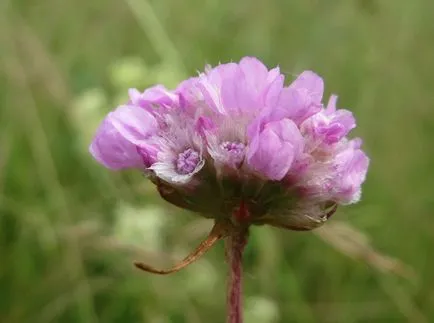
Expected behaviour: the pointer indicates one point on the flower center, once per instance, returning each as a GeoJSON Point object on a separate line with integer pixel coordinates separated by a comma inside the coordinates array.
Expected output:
{"type": "Point", "coordinates": [233, 147]}
{"type": "Point", "coordinates": [187, 161]}
{"type": "Point", "coordinates": [235, 150]}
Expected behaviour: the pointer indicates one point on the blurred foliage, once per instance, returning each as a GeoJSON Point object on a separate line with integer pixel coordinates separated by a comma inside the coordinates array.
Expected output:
{"type": "Point", "coordinates": [69, 229]}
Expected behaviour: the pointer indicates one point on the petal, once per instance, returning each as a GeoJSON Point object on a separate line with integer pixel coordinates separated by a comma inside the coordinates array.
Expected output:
{"type": "Point", "coordinates": [352, 166]}
{"type": "Point", "coordinates": [112, 150]}
{"type": "Point", "coordinates": [311, 82]}
{"type": "Point", "coordinates": [273, 151]}
{"type": "Point", "coordinates": [238, 95]}
{"type": "Point", "coordinates": [166, 171]}
{"type": "Point", "coordinates": [156, 95]}
{"type": "Point", "coordinates": [134, 124]}
{"type": "Point", "coordinates": [295, 104]}
{"type": "Point", "coordinates": [345, 118]}
{"type": "Point", "coordinates": [331, 105]}
{"type": "Point", "coordinates": [273, 74]}
{"type": "Point", "coordinates": [210, 95]}
{"type": "Point", "coordinates": [255, 71]}
{"type": "Point", "coordinates": [279, 163]}
{"type": "Point", "coordinates": [204, 125]}
{"type": "Point", "coordinates": [273, 91]}
{"type": "Point", "coordinates": [288, 131]}
{"type": "Point", "coordinates": [219, 73]}
{"type": "Point", "coordinates": [356, 143]}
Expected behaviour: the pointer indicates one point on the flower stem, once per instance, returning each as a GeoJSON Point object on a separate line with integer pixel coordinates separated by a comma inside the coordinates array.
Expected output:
{"type": "Point", "coordinates": [235, 244]}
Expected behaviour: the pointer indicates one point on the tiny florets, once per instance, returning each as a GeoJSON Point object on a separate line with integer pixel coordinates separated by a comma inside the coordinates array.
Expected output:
{"type": "Point", "coordinates": [236, 148]}
{"type": "Point", "coordinates": [236, 133]}
{"type": "Point", "coordinates": [187, 161]}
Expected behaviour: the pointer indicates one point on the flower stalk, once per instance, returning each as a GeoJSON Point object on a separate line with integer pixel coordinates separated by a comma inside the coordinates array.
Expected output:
{"type": "Point", "coordinates": [235, 244]}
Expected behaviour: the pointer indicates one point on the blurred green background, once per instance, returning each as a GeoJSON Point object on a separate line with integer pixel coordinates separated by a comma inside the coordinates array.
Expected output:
{"type": "Point", "coordinates": [69, 229]}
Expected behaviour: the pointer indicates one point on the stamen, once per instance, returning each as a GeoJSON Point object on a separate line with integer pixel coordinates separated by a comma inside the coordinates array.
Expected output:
{"type": "Point", "coordinates": [187, 161]}
{"type": "Point", "coordinates": [233, 146]}
{"type": "Point", "coordinates": [235, 149]}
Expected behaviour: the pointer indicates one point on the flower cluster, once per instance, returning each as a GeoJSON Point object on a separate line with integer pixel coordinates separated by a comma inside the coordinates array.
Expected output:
{"type": "Point", "coordinates": [236, 134]}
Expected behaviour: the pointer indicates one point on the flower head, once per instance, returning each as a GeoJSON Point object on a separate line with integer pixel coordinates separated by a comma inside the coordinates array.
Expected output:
{"type": "Point", "coordinates": [236, 135]}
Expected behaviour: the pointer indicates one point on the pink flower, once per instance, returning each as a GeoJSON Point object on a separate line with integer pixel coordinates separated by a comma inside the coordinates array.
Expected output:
{"type": "Point", "coordinates": [122, 139]}
{"type": "Point", "coordinates": [237, 133]}
{"type": "Point", "coordinates": [273, 150]}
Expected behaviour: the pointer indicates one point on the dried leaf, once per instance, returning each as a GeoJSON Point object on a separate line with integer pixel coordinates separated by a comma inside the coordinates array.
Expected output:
{"type": "Point", "coordinates": [356, 245]}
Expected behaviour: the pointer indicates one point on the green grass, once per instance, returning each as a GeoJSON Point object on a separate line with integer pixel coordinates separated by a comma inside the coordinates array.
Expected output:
{"type": "Point", "coordinates": [66, 245]}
